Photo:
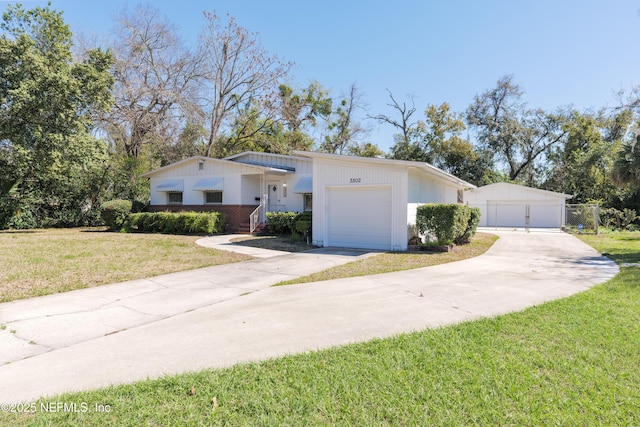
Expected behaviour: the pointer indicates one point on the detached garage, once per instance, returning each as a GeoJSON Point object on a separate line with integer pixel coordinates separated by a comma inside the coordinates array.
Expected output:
{"type": "Point", "coordinates": [510, 205]}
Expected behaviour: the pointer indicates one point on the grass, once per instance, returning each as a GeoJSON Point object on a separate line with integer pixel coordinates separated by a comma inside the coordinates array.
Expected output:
{"type": "Point", "coordinates": [41, 262]}
{"type": "Point", "coordinates": [397, 261]}
{"type": "Point", "coordinates": [572, 361]}
{"type": "Point", "coordinates": [622, 247]}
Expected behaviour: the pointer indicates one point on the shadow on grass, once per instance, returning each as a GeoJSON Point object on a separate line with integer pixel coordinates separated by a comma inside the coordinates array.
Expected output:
{"type": "Point", "coordinates": [277, 243]}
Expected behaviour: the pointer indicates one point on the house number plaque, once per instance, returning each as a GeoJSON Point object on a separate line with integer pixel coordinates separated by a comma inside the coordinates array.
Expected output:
{"type": "Point", "coordinates": [355, 180]}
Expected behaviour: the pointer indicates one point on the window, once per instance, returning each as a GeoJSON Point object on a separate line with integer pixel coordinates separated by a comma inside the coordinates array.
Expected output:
{"type": "Point", "coordinates": [201, 165]}
{"type": "Point", "coordinates": [308, 202]}
{"type": "Point", "coordinates": [212, 197]}
{"type": "Point", "coordinates": [460, 196]}
{"type": "Point", "coordinates": [174, 198]}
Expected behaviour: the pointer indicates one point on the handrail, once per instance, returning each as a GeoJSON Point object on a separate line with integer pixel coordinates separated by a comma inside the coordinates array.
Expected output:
{"type": "Point", "coordinates": [255, 217]}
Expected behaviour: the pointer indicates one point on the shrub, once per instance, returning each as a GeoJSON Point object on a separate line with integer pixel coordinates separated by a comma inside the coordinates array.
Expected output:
{"type": "Point", "coordinates": [288, 222]}
{"type": "Point", "coordinates": [472, 226]}
{"type": "Point", "coordinates": [281, 222]}
{"type": "Point", "coordinates": [302, 226]}
{"type": "Point", "coordinates": [176, 223]}
{"type": "Point", "coordinates": [303, 223]}
{"type": "Point", "coordinates": [446, 222]}
{"type": "Point", "coordinates": [138, 206]}
{"type": "Point", "coordinates": [618, 220]}
{"type": "Point", "coordinates": [114, 213]}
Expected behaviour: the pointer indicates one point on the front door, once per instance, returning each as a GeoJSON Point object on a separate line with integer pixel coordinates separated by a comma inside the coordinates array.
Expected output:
{"type": "Point", "coordinates": [275, 203]}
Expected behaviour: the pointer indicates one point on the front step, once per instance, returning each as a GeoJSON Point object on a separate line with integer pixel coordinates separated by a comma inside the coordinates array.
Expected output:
{"type": "Point", "coordinates": [245, 228]}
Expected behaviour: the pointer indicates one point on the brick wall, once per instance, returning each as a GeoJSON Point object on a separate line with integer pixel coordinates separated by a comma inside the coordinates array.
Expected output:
{"type": "Point", "coordinates": [236, 214]}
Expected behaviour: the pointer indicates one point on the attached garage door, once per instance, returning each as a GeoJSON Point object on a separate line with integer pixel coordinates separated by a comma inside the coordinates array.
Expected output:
{"type": "Point", "coordinates": [359, 217]}
{"type": "Point", "coordinates": [514, 214]}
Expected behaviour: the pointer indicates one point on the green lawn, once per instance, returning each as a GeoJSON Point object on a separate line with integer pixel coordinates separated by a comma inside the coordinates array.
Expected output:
{"type": "Point", "coordinates": [573, 361]}
{"type": "Point", "coordinates": [40, 262]}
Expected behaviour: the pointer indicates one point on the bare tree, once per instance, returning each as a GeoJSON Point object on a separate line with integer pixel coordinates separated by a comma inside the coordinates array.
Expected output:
{"type": "Point", "coordinates": [154, 73]}
{"type": "Point", "coordinates": [343, 130]}
{"type": "Point", "coordinates": [404, 124]}
{"type": "Point", "coordinates": [238, 74]}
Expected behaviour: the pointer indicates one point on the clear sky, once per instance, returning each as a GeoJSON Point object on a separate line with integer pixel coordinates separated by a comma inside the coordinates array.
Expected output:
{"type": "Point", "coordinates": [561, 52]}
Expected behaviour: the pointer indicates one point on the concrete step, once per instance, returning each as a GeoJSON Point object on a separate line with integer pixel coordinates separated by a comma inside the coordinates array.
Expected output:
{"type": "Point", "coordinates": [245, 228]}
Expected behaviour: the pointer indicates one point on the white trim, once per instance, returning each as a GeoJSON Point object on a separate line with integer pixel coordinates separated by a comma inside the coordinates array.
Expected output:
{"type": "Point", "coordinates": [390, 162]}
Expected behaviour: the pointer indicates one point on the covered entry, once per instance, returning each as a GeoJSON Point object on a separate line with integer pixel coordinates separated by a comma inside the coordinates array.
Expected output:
{"type": "Point", "coordinates": [358, 217]}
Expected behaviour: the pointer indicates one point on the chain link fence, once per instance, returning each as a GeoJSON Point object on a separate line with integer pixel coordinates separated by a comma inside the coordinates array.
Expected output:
{"type": "Point", "coordinates": [583, 218]}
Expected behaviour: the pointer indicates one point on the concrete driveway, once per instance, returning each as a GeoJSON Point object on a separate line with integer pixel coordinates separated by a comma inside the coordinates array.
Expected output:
{"type": "Point", "coordinates": [219, 316]}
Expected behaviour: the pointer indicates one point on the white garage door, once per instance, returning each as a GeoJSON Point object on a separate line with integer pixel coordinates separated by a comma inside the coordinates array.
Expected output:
{"type": "Point", "coordinates": [546, 216]}
{"type": "Point", "coordinates": [514, 214]}
{"type": "Point", "coordinates": [359, 217]}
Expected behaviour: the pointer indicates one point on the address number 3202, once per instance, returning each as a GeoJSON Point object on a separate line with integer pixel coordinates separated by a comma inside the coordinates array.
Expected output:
{"type": "Point", "coordinates": [355, 180]}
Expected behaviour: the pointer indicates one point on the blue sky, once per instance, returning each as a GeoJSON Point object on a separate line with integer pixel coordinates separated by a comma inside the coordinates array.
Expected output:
{"type": "Point", "coordinates": [561, 52]}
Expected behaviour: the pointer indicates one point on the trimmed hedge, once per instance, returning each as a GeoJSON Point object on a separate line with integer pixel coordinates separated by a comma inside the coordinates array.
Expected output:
{"type": "Point", "coordinates": [281, 222]}
{"type": "Point", "coordinates": [447, 223]}
{"type": "Point", "coordinates": [472, 226]}
{"type": "Point", "coordinates": [114, 213]}
{"type": "Point", "coordinates": [176, 222]}
{"type": "Point", "coordinates": [288, 222]}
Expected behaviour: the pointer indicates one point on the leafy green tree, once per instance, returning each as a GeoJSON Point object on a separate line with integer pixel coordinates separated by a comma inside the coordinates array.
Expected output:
{"type": "Point", "coordinates": [437, 140]}
{"type": "Point", "coordinates": [366, 149]}
{"type": "Point", "coordinates": [627, 164]}
{"type": "Point", "coordinates": [299, 113]}
{"type": "Point", "coordinates": [47, 102]}
{"type": "Point", "coordinates": [518, 137]}
{"type": "Point", "coordinates": [581, 165]}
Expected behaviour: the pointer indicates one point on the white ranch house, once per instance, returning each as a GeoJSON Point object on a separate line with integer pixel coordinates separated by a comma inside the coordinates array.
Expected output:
{"type": "Point", "coordinates": [356, 201]}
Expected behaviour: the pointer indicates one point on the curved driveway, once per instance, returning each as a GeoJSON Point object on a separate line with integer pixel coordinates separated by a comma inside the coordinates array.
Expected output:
{"type": "Point", "coordinates": [219, 316]}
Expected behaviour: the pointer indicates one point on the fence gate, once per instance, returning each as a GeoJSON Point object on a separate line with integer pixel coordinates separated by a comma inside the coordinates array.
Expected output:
{"type": "Point", "coordinates": [583, 218]}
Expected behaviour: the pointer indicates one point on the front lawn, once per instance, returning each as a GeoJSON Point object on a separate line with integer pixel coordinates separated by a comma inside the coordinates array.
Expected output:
{"type": "Point", "coordinates": [572, 361]}
{"type": "Point", "coordinates": [41, 262]}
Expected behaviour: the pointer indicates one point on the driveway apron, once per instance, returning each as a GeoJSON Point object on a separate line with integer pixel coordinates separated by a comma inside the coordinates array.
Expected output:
{"type": "Point", "coordinates": [220, 316]}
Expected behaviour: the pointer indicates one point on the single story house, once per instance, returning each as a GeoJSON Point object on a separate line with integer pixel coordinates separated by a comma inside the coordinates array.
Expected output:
{"type": "Point", "coordinates": [356, 202]}
{"type": "Point", "coordinates": [510, 205]}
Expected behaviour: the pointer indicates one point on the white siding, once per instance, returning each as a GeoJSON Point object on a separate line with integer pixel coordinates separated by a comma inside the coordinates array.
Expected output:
{"type": "Point", "coordinates": [505, 205]}
{"type": "Point", "coordinates": [330, 173]}
{"type": "Point", "coordinates": [190, 172]}
{"type": "Point", "coordinates": [428, 189]}
{"type": "Point", "coordinates": [423, 189]}
{"type": "Point", "coordinates": [301, 165]}
{"type": "Point", "coordinates": [250, 189]}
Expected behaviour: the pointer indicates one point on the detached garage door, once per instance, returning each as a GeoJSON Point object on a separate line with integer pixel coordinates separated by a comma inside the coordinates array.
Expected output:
{"type": "Point", "coordinates": [359, 217]}
{"type": "Point", "coordinates": [514, 214]}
